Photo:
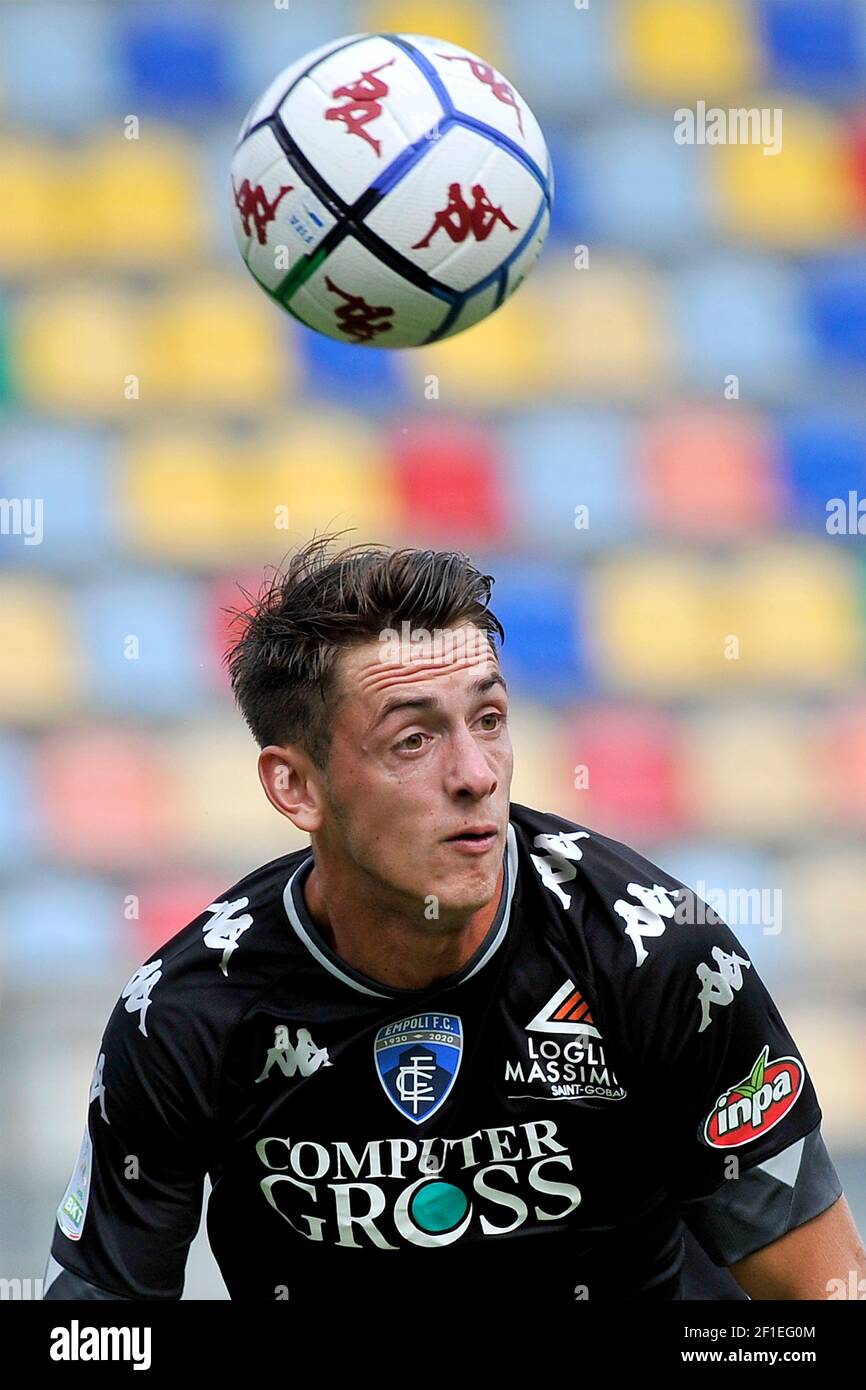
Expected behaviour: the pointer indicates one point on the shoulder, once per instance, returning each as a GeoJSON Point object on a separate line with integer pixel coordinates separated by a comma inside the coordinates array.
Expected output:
{"type": "Point", "coordinates": [572, 859]}
{"type": "Point", "coordinates": [634, 915]}
{"type": "Point", "coordinates": [192, 988]}
{"type": "Point", "coordinates": [663, 968]}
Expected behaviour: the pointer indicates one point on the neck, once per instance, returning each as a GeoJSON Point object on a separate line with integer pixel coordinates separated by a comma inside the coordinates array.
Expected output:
{"type": "Point", "coordinates": [401, 949]}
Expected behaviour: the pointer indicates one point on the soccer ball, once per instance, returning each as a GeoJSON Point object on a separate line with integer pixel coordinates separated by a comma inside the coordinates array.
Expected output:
{"type": "Point", "coordinates": [390, 189]}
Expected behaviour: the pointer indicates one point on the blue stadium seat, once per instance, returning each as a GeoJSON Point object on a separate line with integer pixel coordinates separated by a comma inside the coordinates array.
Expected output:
{"type": "Point", "coordinates": [642, 189]}
{"type": "Point", "coordinates": [557, 462]}
{"type": "Point", "coordinates": [566, 58]}
{"type": "Point", "coordinates": [352, 375]}
{"type": "Point", "coordinates": [168, 617]}
{"type": "Point", "coordinates": [740, 315]}
{"type": "Point", "coordinates": [67, 469]}
{"type": "Point", "coordinates": [822, 455]}
{"type": "Point", "coordinates": [569, 213]}
{"type": "Point", "coordinates": [63, 925]}
{"type": "Point", "coordinates": [541, 611]}
{"type": "Point", "coordinates": [836, 299]}
{"type": "Point", "coordinates": [17, 823]}
{"type": "Point", "coordinates": [56, 65]}
{"type": "Point", "coordinates": [174, 59]}
{"type": "Point", "coordinates": [813, 46]}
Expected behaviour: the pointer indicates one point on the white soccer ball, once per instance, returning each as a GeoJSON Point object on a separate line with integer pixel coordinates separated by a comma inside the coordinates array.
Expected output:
{"type": "Point", "coordinates": [390, 189]}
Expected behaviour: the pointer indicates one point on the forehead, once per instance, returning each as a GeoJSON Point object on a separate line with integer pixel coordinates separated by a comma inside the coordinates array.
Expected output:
{"type": "Point", "coordinates": [445, 659]}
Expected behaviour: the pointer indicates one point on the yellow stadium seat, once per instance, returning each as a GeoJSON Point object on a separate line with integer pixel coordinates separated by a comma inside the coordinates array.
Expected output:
{"type": "Point", "coordinates": [174, 496]}
{"type": "Point", "coordinates": [798, 616]}
{"type": "Point", "coordinates": [220, 805]}
{"type": "Point", "coordinates": [196, 498]}
{"type": "Point", "coordinates": [749, 772]}
{"type": "Point", "coordinates": [215, 344]}
{"type": "Point", "coordinates": [137, 202]}
{"type": "Point", "coordinates": [73, 348]}
{"type": "Point", "coordinates": [458, 22]}
{"type": "Point", "coordinates": [648, 624]}
{"type": "Point", "coordinates": [802, 196]}
{"type": "Point", "coordinates": [503, 360]}
{"type": "Point", "coordinates": [39, 674]}
{"type": "Point", "coordinates": [607, 330]}
{"type": "Point", "coordinates": [686, 49]}
{"type": "Point", "coordinates": [328, 469]}
{"type": "Point", "coordinates": [33, 229]}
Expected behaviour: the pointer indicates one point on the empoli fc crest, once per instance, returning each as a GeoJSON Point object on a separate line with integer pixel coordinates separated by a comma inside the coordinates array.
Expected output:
{"type": "Point", "coordinates": [417, 1060]}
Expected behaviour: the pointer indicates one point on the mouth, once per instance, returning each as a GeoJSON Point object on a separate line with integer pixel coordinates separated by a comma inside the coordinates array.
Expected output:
{"type": "Point", "coordinates": [476, 840]}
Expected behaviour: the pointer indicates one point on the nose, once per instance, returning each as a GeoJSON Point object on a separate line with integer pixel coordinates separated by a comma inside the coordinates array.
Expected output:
{"type": "Point", "coordinates": [469, 774]}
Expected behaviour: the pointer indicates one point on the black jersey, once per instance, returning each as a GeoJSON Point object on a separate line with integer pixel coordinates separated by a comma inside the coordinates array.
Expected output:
{"type": "Point", "coordinates": [606, 1065]}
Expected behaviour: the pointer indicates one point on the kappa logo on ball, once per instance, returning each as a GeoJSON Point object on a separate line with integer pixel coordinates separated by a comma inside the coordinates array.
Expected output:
{"type": "Point", "coordinates": [417, 1060]}
{"type": "Point", "coordinates": [756, 1104]}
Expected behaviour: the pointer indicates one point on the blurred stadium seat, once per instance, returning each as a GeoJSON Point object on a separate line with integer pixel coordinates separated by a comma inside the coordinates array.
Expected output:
{"type": "Point", "coordinates": [448, 483]}
{"type": "Point", "coordinates": [40, 672]}
{"type": "Point", "coordinates": [142, 644]}
{"type": "Point", "coordinates": [625, 769]}
{"type": "Point", "coordinates": [686, 49]}
{"type": "Point", "coordinates": [542, 612]}
{"type": "Point", "coordinates": [708, 473]}
{"type": "Point", "coordinates": [813, 46]}
{"type": "Point", "coordinates": [799, 196]}
{"type": "Point", "coordinates": [750, 773]}
{"type": "Point", "coordinates": [569, 479]}
{"type": "Point", "coordinates": [102, 797]}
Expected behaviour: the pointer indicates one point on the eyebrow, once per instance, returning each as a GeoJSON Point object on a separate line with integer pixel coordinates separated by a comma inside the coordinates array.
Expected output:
{"type": "Point", "coordinates": [427, 702]}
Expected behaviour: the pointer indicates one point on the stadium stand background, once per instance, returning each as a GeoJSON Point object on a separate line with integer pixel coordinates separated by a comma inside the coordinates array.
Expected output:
{"type": "Point", "coordinates": [128, 789]}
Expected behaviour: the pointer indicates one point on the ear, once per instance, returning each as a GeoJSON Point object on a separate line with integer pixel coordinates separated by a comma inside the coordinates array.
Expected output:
{"type": "Point", "coordinates": [292, 784]}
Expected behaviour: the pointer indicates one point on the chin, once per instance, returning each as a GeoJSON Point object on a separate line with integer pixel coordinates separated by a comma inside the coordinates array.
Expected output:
{"type": "Point", "coordinates": [470, 892]}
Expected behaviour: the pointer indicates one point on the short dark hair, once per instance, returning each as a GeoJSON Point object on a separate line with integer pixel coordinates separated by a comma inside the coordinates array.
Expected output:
{"type": "Point", "coordinates": [282, 665]}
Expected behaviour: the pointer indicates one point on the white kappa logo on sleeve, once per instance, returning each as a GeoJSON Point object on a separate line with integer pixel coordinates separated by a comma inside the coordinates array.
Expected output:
{"type": "Point", "coordinates": [224, 930]}
{"type": "Point", "coordinates": [138, 989]}
{"type": "Point", "coordinates": [556, 864]}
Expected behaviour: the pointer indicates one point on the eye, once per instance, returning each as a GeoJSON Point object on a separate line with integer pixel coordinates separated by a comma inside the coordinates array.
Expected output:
{"type": "Point", "coordinates": [408, 747]}
{"type": "Point", "coordinates": [498, 718]}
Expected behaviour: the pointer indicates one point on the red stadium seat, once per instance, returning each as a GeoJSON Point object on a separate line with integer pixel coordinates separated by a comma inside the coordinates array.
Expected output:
{"type": "Point", "coordinates": [844, 765]}
{"type": "Point", "coordinates": [630, 762]}
{"type": "Point", "coordinates": [709, 472]}
{"type": "Point", "coordinates": [103, 798]}
{"type": "Point", "coordinates": [448, 483]}
{"type": "Point", "coordinates": [856, 135]}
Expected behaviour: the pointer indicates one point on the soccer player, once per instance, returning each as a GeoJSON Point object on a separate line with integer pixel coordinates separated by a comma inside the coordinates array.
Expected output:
{"type": "Point", "coordinates": [458, 1044]}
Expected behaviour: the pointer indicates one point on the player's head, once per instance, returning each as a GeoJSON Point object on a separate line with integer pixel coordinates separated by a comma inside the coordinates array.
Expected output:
{"type": "Point", "coordinates": [370, 680]}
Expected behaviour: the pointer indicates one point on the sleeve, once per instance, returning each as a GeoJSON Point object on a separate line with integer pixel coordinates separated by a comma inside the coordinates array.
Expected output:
{"type": "Point", "coordinates": [726, 1098]}
{"type": "Point", "coordinates": [133, 1202]}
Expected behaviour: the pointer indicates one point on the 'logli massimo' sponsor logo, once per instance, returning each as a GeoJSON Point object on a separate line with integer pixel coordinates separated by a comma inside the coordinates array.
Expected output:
{"type": "Point", "coordinates": [569, 1063]}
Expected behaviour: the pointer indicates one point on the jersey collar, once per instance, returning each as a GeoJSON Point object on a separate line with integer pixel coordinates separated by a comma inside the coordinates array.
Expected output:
{"type": "Point", "coordinates": [308, 933]}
